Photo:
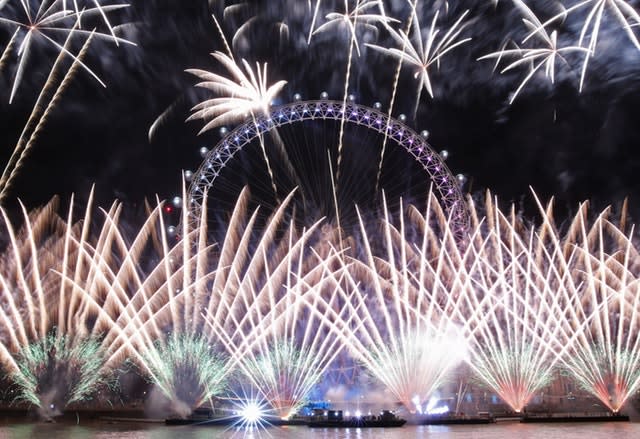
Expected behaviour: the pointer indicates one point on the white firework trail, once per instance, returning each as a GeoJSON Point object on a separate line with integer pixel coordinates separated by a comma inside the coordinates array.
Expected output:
{"type": "Point", "coordinates": [407, 301]}
{"type": "Point", "coordinates": [602, 331]}
{"type": "Point", "coordinates": [536, 58]}
{"type": "Point", "coordinates": [50, 21]}
{"type": "Point", "coordinates": [421, 54]}
{"type": "Point", "coordinates": [268, 310]}
{"type": "Point", "coordinates": [247, 94]}
{"type": "Point", "coordinates": [598, 11]}
{"type": "Point", "coordinates": [513, 347]}
{"type": "Point", "coordinates": [360, 15]}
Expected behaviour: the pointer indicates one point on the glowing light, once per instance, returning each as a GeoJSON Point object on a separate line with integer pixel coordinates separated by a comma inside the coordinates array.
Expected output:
{"type": "Point", "coordinates": [50, 20]}
{"type": "Point", "coordinates": [360, 16]}
{"type": "Point", "coordinates": [626, 15]}
{"type": "Point", "coordinates": [440, 410]}
{"type": "Point", "coordinates": [536, 57]}
{"type": "Point", "coordinates": [423, 54]}
{"type": "Point", "coordinates": [248, 96]}
{"type": "Point", "coordinates": [252, 413]}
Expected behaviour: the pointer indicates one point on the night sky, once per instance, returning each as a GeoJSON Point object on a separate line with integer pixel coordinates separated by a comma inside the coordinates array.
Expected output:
{"type": "Point", "coordinates": [561, 142]}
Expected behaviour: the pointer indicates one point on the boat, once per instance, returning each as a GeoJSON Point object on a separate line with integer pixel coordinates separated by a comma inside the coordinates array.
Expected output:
{"type": "Point", "coordinates": [507, 417]}
{"type": "Point", "coordinates": [454, 419]}
{"type": "Point", "coordinates": [336, 419]}
{"type": "Point", "coordinates": [574, 417]}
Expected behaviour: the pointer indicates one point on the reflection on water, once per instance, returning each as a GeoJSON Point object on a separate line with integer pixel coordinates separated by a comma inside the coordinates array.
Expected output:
{"type": "Point", "coordinates": [618, 430]}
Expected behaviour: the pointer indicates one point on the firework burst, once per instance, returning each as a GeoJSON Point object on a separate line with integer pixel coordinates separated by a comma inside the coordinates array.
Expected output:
{"type": "Point", "coordinates": [619, 10]}
{"type": "Point", "coordinates": [56, 371]}
{"type": "Point", "coordinates": [536, 58]}
{"type": "Point", "coordinates": [405, 304]}
{"type": "Point", "coordinates": [153, 318]}
{"type": "Point", "coordinates": [600, 333]}
{"type": "Point", "coordinates": [188, 370]}
{"type": "Point", "coordinates": [248, 96]}
{"type": "Point", "coordinates": [271, 315]}
{"type": "Point", "coordinates": [421, 54]}
{"type": "Point", "coordinates": [49, 346]}
{"type": "Point", "coordinates": [511, 266]}
{"type": "Point", "coordinates": [49, 21]}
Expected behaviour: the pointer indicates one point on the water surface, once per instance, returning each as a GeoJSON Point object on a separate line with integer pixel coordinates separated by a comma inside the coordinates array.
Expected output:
{"type": "Point", "coordinates": [509, 430]}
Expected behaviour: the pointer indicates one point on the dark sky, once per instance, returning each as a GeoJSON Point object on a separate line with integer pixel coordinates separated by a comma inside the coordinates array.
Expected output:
{"type": "Point", "coordinates": [571, 145]}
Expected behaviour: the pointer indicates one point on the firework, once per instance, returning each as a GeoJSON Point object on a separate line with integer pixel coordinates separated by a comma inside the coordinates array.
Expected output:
{"type": "Point", "coordinates": [512, 267]}
{"type": "Point", "coordinates": [422, 55]}
{"type": "Point", "coordinates": [56, 371]}
{"type": "Point", "coordinates": [621, 10]}
{"type": "Point", "coordinates": [48, 21]}
{"type": "Point", "coordinates": [600, 333]}
{"type": "Point", "coordinates": [248, 96]}
{"type": "Point", "coordinates": [152, 318]}
{"type": "Point", "coordinates": [187, 369]}
{"type": "Point", "coordinates": [49, 347]}
{"type": "Point", "coordinates": [360, 15]}
{"type": "Point", "coordinates": [271, 316]}
{"type": "Point", "coordinates": [536, 57]}
{"type": "Point", "coordinates": [405, 306]}
{"type": "Point", "coordinates": [59, 27]}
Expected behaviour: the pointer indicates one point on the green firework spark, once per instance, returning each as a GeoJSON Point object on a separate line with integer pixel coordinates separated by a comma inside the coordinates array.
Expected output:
{"type": "Point", "coordinates": [187, 368]}
{"type": "Point", "coordinates": [65, 369]}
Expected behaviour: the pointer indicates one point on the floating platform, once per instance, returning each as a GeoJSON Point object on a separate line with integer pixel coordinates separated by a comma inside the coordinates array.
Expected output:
{"type": "Point", "coordinates": [204, 421]}
{"type": "Point", "coordinates": [114, 419]}
{"type": "Point", "coordinates": [511, 417]}
{"type": "Point", "coordinates": [233, 420]}
{"type": "Point", "coordinates": [453, 420]}
{"type": "Point", "coordinates": [336, 419]}
{"type": "Point", "coordinates": [575, 417]}
{"type": "Point", "coordinates": [358, 423]}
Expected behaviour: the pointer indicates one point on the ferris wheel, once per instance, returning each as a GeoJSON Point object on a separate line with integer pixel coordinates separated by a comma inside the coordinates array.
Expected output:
{"type": "Point", "coordinates": [297, 147]}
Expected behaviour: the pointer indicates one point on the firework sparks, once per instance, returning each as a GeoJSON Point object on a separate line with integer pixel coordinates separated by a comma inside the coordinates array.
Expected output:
{"type": "Point", "coordinates": [360, 15]}
{"type": "Point", "coordinates": [281, 303]}
{"type": "Point", "coordinates": [524, 282]}
{"type": "Point", "coordinates": [248, 96]}
{"type": "Point", "coordinates": [405, 309]}
{"type": "Point", "coordinates": [270, 319]}
{"type": "Point", "coordinates": [621, 10]}
{"type": "Point", "coordinates": [48, 22]}
{"type": "Point", "coordinates": [48, 345]}
{"type": "Point", "coordinates": [188, 370]}
{"type": "Point", "coordinates": [421, 55]}
{"type": "Point", "coordinates": [600, 335]}
{"type": "Point", "coordinates": [538, 57]}
{"type": "Point", "coordinates": [153, 319]}
{"type": "Point", "coordinates": [56, 371]}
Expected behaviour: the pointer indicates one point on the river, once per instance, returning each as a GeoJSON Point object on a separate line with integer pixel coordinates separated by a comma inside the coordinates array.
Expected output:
{"type": "Point", "coordinates": [506, 430]}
